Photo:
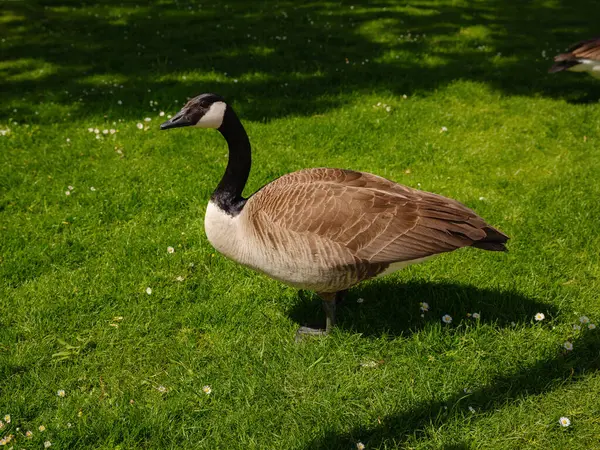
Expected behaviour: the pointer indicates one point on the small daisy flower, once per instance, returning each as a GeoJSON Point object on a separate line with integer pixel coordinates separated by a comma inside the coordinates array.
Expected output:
{"type": "Point", "coordinates": [67, 192]}
{"type": "Point", "coordinates": [360, 300]}
{"type": "Point", "coordinates": [119, 102]}
{"type": "Point", "coordinates": [91, 130]}
{"type": "Point", "coordinates": [540, 316]}
{"type": "Point", "coordinates": [42, 428]}
{"type": "Point", "coordinates": [112, 131]}
{"type": "Point", "coordinates": [179, 278]}
{"type": "Point", "coordinates": [162, 113]}
{"type": "Point", "coordinates": [147, 119]}
{"type": "Point", "coordinates": [476, 316]}
{"type": "Point", "coordinates": [591, 326]}
{"type": "Point", "coordinates": [568, 346]}
{"type": "Point", "coordinates": [162, 389]}
{"type": "Point", "coordinates": [170, 250]}
{"type": "Point", "coordinates": [360, 446]}
{"type": "Point", "coordinates": [148, 290]}
{"type": "Point", "coordinates": [447, 318]}
{"type": "Point", "coordinates": [584, 319]}
{"type": "Point", "coordinates": [92, 188]}
{"type": "Point", "coordinates": [69, 425]}
{"type": "Point", "coordinates": [61, 393]}
{"type": "Point", "coordinates": [443, 129]}
{"type": "Point", "coordinates": [96, 130]}
{"type": "Point", "coordinates": [104, 131]}
{"type": "Point", "coordinates": [68, 140]}
{"type": "Point", "coordinates": [424, 306]}
{"type": "Point", "coordinates": [70, 188]}
{"type": "Point", "coordinates": [564, 421]}
{"type": "Point", "coordinates": [7, 418]}
{"type": "Point", "coordinates": [28, 434]}
{"type": "Point", "coordinates": [140, 126]}
{"type": "Point", "coordinates": [206, 389]}
{"type": "Point", "coordinates": [47, 444]}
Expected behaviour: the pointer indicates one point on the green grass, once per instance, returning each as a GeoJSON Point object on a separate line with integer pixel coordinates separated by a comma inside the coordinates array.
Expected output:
{"type": "Point", "coordinates": [521, 148]}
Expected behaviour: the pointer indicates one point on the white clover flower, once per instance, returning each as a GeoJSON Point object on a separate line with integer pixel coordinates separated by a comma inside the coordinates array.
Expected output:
{"type": "Point", "coordinates": [539, 316]}
{"type": "Point", "coordinates": [162, 389]}
{"type": "Point", "coordinates": [92, 188]}
{"type": "Point", "coordinates": [568, 346]}
{"type": "Point", "coordinates": [91, 130]}
{"type": "Point", "coordinates": [61, 393]}
{"type": "Point", "coordinates": [591, 326]}
{"type": "Point", "coordinates": [584, 319]}
{"type": "Point", "coordinates": [104, 131]}
{"type": "Point", "coordinates": [96, 130]}
{"type": "Point", "coordinates": [68, 140]}
{"type": "Point", "coordinates": [564, 421]}
{"type": "Point", "coordinates": [47, 444]}
{"type": "Point", "coordinates": [67, 192]}
{"type": "Point", "coordinates": [140, 126]}
{"type": "Point", "coordinates": [179, 278]}
{"type": "Point", "coordinates": [120, 102]}
{"type": "Point", "coordinates": [476, 316]}
{"type": "Point", "coordinates": [170, 250]}
{"type": "Point", "coordinates": [368, 364]}
{"type": "Point", "coordinates": [112, 131]}
{"type": "Point", "coordinates": [147, 119]}
{"type": "Point", "coordinates": [162, 113]}
{"type": "Point", "coordinates": [447, 318]}
{"type": "Point", "coordinates": [70, 188]}
{"type": "Point", "coordinates": [207, 389]}
{"type": "Point", "coordinates": [444, 129]}
{"type": "Point", "coordinates": [148, 290]}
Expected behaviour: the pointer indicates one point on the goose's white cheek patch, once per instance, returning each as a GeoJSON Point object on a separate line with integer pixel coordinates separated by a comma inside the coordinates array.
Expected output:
{"type": "Point", "coordinates": [213, 117]}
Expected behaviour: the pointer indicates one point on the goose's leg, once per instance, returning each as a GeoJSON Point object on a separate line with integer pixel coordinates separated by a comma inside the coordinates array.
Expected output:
{"type": "Point", "coordinates": [329, 303]}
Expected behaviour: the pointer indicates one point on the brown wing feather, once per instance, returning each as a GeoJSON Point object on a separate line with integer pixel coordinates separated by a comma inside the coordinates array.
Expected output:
{"type": "Point", "coordinates": [377, 220]}
{"type": "Point", "coordinates": [589, 49]}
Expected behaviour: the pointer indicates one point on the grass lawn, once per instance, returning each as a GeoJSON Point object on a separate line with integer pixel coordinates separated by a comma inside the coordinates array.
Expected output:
{"type": "Point", "coordinates": [351, 84]}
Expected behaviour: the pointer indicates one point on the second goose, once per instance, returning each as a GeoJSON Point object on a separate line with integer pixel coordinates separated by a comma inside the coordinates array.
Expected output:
{"type": "Point", "coordinates": [325, 229]}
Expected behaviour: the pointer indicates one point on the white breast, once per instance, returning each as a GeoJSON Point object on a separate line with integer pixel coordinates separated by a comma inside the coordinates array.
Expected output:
{"type": "Point", "coordinates": [223, 231]}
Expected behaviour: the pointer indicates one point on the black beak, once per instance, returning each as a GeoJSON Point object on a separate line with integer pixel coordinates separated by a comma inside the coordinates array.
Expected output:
{"type": "Point", "coordinates": [180, 120]}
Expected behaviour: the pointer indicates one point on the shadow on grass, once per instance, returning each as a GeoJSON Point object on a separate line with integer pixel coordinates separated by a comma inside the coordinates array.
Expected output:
{"type": "Point", "coordinates": [392, 308]}
{"type": "Point", "coordinates": [545, 375]}
{"type": "Point", "coordinates": [279, 58]}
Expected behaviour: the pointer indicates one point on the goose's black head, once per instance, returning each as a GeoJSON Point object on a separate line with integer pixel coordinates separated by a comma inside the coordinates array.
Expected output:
{"type": "Point", "coordinates": [204, 111]}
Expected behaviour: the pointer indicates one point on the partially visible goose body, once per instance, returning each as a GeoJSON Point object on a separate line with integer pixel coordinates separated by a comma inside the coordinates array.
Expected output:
{"type": "Point", "coordinates": [581, 57]}
{"type": "Point", "coordinates": [325, 229]}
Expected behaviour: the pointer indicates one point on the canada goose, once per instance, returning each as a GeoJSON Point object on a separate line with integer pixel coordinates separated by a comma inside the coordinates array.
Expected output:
{"type": "Point", "coordinates": [581, 57]}
{"type": "Point", "coordinates": [324, 229]}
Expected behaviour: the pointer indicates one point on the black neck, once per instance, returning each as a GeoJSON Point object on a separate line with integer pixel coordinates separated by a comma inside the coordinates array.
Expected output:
{"type": "Point", "coordinates": [228, 195]}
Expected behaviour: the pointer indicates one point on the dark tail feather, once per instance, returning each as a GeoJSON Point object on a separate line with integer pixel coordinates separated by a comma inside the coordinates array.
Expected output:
{"type": "Point", "coordinates": [494, 241]}
{"type": "Point", "coordinates": [559, 66]}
